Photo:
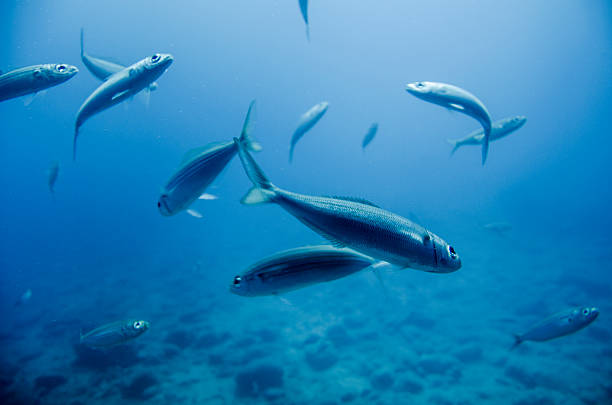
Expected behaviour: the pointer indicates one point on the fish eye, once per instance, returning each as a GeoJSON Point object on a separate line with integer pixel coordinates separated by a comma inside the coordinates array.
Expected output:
{"type": "Point", "coordinates": [137, 324]}
{"type": "Point", "coordinates": [420, 85]}
{"type": "Point", "coordinates": [237, 281]}
{"type": "Point", "coordinates": [451, 252]}
{"type": "Point", "coordinates": [586, 312]}
{"type": "Point", "coordinates": [61, 68]}
{"type": "Point", "coordinates": [158, 204]}
{"type": "Point", "coordinates": [155, 58]}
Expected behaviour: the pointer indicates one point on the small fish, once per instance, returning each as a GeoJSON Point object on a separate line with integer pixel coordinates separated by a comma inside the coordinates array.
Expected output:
{"type": "Point", "coordinates": [369, 136]}
{"type": "Point", "coordinates": [120, 86]}
{"type": "Point", "coordinates": [101, 68]}
{"type": "Point", "coordinates": [52, 173]}
{"type": "Point", "coordinates": [355, 223]}
{"type": "Point", "coordinates": [560, 324]}
{"type": "Point", "coordinates": [499, 129]}
{"type": "Point", "coordinates": [501, 227]}
{"type": "Point", "coordinates": [199, 169]}
{"type": "Point", "coordinates": [304, 11]}
{"type": "Point", "coordinates": [33, 79]}
{"type": "Point", "coordinates": [458, 99]}
{"type": "Point", "coordinates": [307, 121]}
{"type": "Point", "coordinates": [298, 268]}
{"type": "Point", "coordinates": [25, 297]}
{"type": "Point", "coordinates": [114, 333]}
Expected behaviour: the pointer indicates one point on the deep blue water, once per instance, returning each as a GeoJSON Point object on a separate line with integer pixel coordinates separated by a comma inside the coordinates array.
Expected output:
{"type": "Point", "coordinates": [100, 251]}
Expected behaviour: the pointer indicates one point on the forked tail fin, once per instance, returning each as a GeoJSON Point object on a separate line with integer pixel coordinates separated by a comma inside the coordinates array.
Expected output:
{"type": "Point", "coordinates": [517, 341]}
{"type": "Point", "coordinates": [263, 190]}
{"type": "Point", "coordinates": [247, 128]}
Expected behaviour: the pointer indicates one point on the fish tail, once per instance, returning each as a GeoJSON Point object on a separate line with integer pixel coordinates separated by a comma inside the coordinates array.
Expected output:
{"type": "Point", "coordinates": [455, 145]}
{"type": "Point", "coordinates": [307, 32]}
{"type": "Point", "coordinates": [263, 191]}
{"type": "Point", "coordinates": [247, 128]}
{"type": "Point", "coordinates": [74, 143]}
{"type": "Point", "coordinates": [485, 144]}
{"type": "Point", "coordinates": [291, 152]}
{"type": "Point", "coordinates": [517, 341]}
{"type": "Point", "coordinates": [82, 52]}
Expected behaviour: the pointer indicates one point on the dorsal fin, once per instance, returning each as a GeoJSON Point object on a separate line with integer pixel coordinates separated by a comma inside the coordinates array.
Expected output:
{"type": "Point", "coordinates": [355, 199]}
{"type": "Point", "coordinates": [192, 153]}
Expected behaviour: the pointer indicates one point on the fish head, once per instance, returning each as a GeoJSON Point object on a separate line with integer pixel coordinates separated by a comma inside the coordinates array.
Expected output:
{"type": "Point", "coordinates": [516, 122]}
{"type": "Point", "coordinates": [586, 315]}
{"type": "Point", "coordinates": [158, 63]}
{"type": "Point", "coordinates": [447, 259]}
{"type": "Point", "coordinates": [59, 73]}
{"type": "Point", "coordinates": [423, 90]}
{"type": "Point", "coordinates": [164, 205]}
{"type": "Point", "coordinates": [240, 286]}
{"type": "Point", "coordinates": [322, 107]}
{"type": "Point", "coordinates": [137, 327]}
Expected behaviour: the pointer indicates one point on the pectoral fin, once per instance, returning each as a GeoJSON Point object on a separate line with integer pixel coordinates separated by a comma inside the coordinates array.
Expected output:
{"type": "Point", "coordinates": [194, 213]}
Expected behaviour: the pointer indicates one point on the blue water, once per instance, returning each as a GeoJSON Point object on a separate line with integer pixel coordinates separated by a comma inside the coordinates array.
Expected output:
{"type": "Point", "coordinates": [100, 251]}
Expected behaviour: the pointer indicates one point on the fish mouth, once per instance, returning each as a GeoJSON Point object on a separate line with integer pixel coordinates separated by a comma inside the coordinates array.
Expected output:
{"type": "Point", "coordinates": [162, 205]}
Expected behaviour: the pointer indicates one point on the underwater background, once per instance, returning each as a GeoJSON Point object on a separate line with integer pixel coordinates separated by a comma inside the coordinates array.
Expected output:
{"type": "Point", "coordinates": [98, 250]}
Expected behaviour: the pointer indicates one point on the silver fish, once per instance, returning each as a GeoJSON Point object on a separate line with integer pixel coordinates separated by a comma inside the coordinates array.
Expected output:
{"type": "Point", "coordinates": [369, 136]}
{"type": "Point", "coordinates": [304, 11]}
{"type": "Point", "coordinates": [114, 333]}
{"type": "Point", "coordinates": [307, 121]}
{"type": "Point", "coordinates": [121, 86]}
{"type": "Point", "coordinates": [458, 99]}
{"type": "Point", "coordinates": [32, 79]}
{"type": "Point", "coordinates": [356, 223]}
{"type": "Point", "coordinates": [561, 324]}
{"type": "Point", "coordinates": [298, 268]}
{"type": "Point", "coordinates": [499, 129]}
{"type": "Point", "coordinates": [101, 68]}
{"type": "Point", "coordinates": [200, 168]}
{"type": "Point", "coordinates": [52, 173]}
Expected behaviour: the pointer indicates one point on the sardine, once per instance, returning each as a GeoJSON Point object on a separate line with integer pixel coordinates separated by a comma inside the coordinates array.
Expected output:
{"type": "Point", "coordinates": [307, 121]}
{"type": "Point", "coordinates": [560, 324]}
{"type": "Point", "coordinates": [356, 223]}
{"type": "Point", "coordinates": [114, 333]}
{"type": "Point", "coordinates": [120, 86]}
{"type": "Point", "coordinates": [298, 268]}
{"type": "Point", "coordinates": [499, 129]}
{"type": "Point", "coordinates": [458, 99]}
{"type": "Point", "coordinates": [200, 168]}
{"type": "Point", "coordinates": [32, 79]}
{"type": "Point", "coordinates": [369, 136]}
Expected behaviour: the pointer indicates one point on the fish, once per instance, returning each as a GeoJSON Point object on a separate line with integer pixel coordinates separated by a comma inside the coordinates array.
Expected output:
{"type": "Point", "coordinates": [119, 87]}
{"type": "Point", "coordinates": [25, 297]}
{"type": "Point", "coordinates": [304, 11]}
{"type": "Point", "coordinates": [355, 223]}
{"type": "Point", "coordinates": [114, 333]}
{"type": "Point", "coordinates": [458, 99]}
{"type": "Point", "coordinates": [34, 79]}
{"type": "Point", "coordinates": [200, 168]}
{"type": "Point", "coordinates": [369, 136]}
{"type": "Point", "coordinates": [306, 122]}
{"type": "Point", "coordinates": [52, 173]}
{"type": "Point", "coordinates": [297, 268]}
{"type": "Point", "coordinates": [101, 68]}
{"type": "Point", "coordinates": [499, 129]}
{"type": "Point", "coordinates": [561, 324]}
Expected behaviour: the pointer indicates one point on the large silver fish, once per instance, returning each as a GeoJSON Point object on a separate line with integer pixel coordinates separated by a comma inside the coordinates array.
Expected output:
{"type": "Point", "coordinates": [298, 268]}
{"type": "Point", "coordinates": [356, 223]}
{"type": "Point", "coordinates": [307, 121]}
{"type": "Point", "coordinates": [115, 333]}
{"type": "Point", "coordinates": [200, 168]}
{"type": "Point", "coordinates": [304, 11]}
{"type": "Point", "coordinates": [561, 324]}
{"type": "Point", "coordinates": [499, 129]}
{"type": "Point", "coordinates": [121, 86]}
{"type": "Point", "coordinates": [32, 79]}
{"type": "Point", "coordinates": [52, 173]}
{"type": "Point", "coordinates": [369, 136]}
{"type": "Point", "coordinates": [101, 68]}
{"type": "Point", "coordinates": [458, 99]}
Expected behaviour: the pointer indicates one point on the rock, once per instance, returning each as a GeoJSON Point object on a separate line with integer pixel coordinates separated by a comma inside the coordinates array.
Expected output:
{"type": "Point", "coordinates": [337, 335]}
{"type": "Point", "coordinates": [256, 381]}
{"type": "Point", "coordinates": [141, 388]}
{"type": "Point", "coordinates": [47, 383]}
{"type": "Point", "coordinates": [382, 381]}
{"type": "Point", "coordinates": [119, 356]}
{"type": "Point", "coordinates": [321, 358]}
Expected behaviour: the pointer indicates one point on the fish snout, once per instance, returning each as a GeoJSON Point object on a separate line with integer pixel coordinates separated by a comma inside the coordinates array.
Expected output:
{"type": "Point", "coordinates": [416, 88]}
{"type": "Point", "coordinates": [594, 312]}
{"type": "Point", "coordinates": [237, 286]}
